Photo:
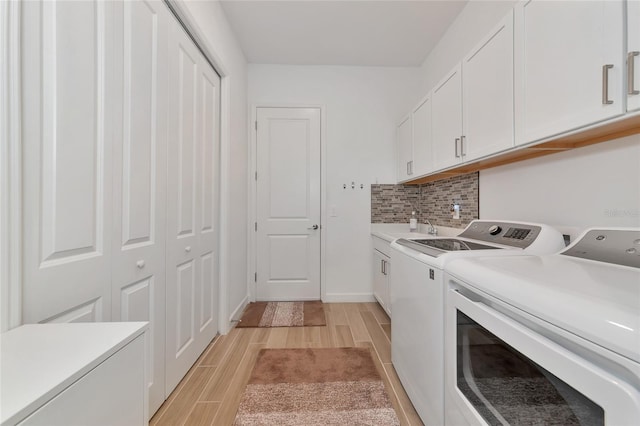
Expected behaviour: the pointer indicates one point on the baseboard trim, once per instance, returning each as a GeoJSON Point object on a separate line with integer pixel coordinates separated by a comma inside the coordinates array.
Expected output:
{"type": "Point", "coordinates": [348, 298]}
{"type": "Point", "coordinates": [236, 314]}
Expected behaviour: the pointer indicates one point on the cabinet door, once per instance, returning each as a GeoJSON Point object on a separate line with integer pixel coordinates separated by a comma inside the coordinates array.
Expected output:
{"type": "Point", "coordinates": [633, 55]}
{"type": "Point", "coordinates": [405, 149]}
{"type": "Point", "coordinates": [67, 93]}
{"type": "Point", "coordinates": [380, 280]}
{"type": "Point", "coordinates": [422, 142]}
{"type": "Point", "coordinates": [447, 120]}
{"type": "Point", "coordinates": [140, 168]}
{"type": "Point", "coordinates": [569, 65]}
{"type": "Point", "coordinates": [487, 82]}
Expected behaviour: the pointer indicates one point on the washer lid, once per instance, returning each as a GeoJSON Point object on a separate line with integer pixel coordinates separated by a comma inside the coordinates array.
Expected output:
{"type": "Point", "coordinates": [597, 301]}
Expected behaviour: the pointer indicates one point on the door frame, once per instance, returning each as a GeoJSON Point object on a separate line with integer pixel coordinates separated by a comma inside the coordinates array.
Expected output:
{"type": "Point", "coordinates": [252, 241]}
{"type": "Point", "coordinates": [11, 168]}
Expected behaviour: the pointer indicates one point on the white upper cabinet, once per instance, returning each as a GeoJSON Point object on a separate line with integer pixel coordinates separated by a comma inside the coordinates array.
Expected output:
{"type": "Point", "coordinates": [447, 120]}
{"type": "Point", "coordinates": [487, 83]}
{"type": "Point", "coordinates": [422, 138]}
{"type": "Point", "coordinates": [569, 65]}
{"type": "Point", "coordinates": [633, 55]}
{"type": "Point", "coordinates": [405, 149]}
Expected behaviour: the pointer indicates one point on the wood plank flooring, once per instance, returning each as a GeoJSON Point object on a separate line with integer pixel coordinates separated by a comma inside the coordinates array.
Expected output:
{"type": "Point", "coordinates": [210, 392]}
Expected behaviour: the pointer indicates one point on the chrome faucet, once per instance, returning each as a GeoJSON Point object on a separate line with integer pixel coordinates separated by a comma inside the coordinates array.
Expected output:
{"type": "Point", "coordinates": [432, 229]}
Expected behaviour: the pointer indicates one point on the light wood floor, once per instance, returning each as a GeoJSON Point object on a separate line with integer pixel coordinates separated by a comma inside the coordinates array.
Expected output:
{"type": "Point", "coordinates": [210, 392]}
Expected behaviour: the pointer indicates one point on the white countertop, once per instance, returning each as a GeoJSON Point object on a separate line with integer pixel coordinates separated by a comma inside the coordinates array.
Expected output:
{"type": "Point", "coordinates": [393, 231]}
{"type": "Point", "coordinates": [38, 361]}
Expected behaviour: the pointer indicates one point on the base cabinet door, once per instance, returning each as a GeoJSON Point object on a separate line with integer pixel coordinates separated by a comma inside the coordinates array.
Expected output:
{"type": "Point", "coordinates": [381, 270]}
{"type": "Point", "coordinates": [569, 65]}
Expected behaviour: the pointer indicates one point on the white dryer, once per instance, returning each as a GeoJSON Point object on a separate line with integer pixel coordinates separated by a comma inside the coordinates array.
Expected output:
{"type": "Point", "coordinates": [552, 339]}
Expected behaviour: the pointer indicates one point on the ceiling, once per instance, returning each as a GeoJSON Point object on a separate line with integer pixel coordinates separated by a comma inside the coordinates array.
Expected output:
{"type": "Point", "coordinates": [340, 32]}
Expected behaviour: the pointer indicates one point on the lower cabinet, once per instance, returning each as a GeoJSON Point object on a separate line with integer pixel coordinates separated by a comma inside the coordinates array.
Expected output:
{"type": "Point", "coordinates": [88, 374]}
{"type": "Point", "coordinates": [381, 273]}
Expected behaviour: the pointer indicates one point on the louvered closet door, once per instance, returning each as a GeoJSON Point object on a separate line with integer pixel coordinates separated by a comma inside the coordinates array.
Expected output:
{"type": "Point", "coordinates": [67, 104]}
{"type": "Point", "coordinates": [139, 219]}
{"type": "Point", "coordinates": [192, 205]}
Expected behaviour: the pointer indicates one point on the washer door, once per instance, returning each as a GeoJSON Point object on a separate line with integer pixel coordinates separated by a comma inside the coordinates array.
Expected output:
{"type": "Point", "coordinates": [500, 372]}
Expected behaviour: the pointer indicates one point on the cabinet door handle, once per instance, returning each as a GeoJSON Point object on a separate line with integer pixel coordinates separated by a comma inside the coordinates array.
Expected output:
{"type": "Point", "coordinates": [408, 168]}
{"type": "Point", "coordinates": [411, 167]}
{"type": "Point", "coordinates": [462, 138]}
{"type": "Point", "coordinates": [382, 266]}
{"type": "Point", "coordinates": [605, 84]}
{"type": "Point", "coordinates": [631, 58]}
{"type": "Point", "coordinates": [457, 154]}
{"type": "Point", "coordinates": [140, 264]}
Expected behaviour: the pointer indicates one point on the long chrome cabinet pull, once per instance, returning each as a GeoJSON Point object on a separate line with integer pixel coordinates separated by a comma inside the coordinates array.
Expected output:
{"type": "Point", "coordinates": [408, 169]}
{"type": "Point", "coordinates": [605, 84]}
{"type": "Point", "coordinates": [411, 167]}
{"type": "Point", "coordinates": [382, 266]}
{"type": "Point", "coordinates": [462, 138]}
{"type": "Point", "coordinates": [631, 58]}
{"type": "Point", "coordinates": [457, 154]}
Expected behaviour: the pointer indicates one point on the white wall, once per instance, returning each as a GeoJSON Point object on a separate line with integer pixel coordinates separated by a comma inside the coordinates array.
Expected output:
{"type": "Point", "coordinates": [209, 17]}
{"type": "Point", "coordinates": [363, 105]}
{"type": "Point", "coordinates": [598, 185]}
{"type": "Point", "coordinates": [592, 186]}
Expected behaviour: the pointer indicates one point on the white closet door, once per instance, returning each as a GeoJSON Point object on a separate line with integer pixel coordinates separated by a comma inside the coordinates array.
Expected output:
{"type": "Point", "coordinates": [139, 219]}
{"type": "Point", "coordinates": [191, 205]}
{"type": "Point", "coordinates": [67, 89]}
{"type": "Point", "coordinates": [208, 109]}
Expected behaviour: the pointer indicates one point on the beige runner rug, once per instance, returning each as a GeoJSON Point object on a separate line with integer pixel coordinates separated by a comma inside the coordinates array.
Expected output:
{"type": "Point", "coordinates": [283, 314]}
{"type": "Point", "coordinates": [332, 386]}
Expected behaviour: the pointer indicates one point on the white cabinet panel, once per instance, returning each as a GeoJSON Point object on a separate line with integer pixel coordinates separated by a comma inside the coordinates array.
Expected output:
{"type": "Point", "coordinates": [633, 55]}
{"type": "Point", "coordinates": [381, 270]}
{"type": "Point", "coordinates": [67, 144]}
{"type": "Point", "coordinates": [405, 149]}
{"type": "Point", "coordinates": [487, 82]}
{"type": "Point", "coordinates": [563, 49]}
{"type": "Point", "coordinates": [447, 120]}
{"type": "Point", "coordinates": [422, 138]}
{"type": "Point", "coordinates": [116, 394]}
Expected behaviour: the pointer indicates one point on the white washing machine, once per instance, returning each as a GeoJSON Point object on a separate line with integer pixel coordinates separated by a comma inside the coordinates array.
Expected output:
{"type": "Point", "coordinates": [417, 299]}
{"type": "Point", "coordinates": [551, 339]}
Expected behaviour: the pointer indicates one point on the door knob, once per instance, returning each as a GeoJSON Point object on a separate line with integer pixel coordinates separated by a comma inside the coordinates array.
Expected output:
{"type": "Point", "coordinates": [314, 227]}
{"type": "Point", "coordinates": [140, 264]}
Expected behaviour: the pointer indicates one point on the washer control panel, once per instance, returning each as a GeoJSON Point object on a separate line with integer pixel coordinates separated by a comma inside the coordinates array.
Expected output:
{"type": "Point", "coordinates": [618, 246]}
{"type": "Point", "coordinates": [510, 234]}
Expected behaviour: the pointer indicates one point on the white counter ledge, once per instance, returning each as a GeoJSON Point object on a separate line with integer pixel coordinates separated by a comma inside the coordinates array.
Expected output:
{"type": "Point", "coordinates": [40, 361]}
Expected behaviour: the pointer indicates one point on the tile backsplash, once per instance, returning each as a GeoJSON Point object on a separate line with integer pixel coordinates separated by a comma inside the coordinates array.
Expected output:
{"type": "Point", "coordinates": [394, 203]}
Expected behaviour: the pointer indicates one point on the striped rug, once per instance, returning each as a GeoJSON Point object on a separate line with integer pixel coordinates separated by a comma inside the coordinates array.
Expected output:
{"type": "Point", "coordinates": [330, 386]}
{"type": "Point", "coordinates": [283, 314]}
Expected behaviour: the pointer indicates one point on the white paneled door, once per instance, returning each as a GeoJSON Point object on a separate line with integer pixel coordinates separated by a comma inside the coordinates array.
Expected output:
{"type": "Point", "coordinates": [67, 53]}
{"type": "Point", "coordinates": [139, 166]}
{"type": "Point", "coordinates": [288, 204]}
{"type": "Point", "coordinates": [192, 205]}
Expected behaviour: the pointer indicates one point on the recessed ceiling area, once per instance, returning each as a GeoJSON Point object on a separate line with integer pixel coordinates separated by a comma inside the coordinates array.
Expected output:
{"type": "Point", "coordinates": [348, 32]}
